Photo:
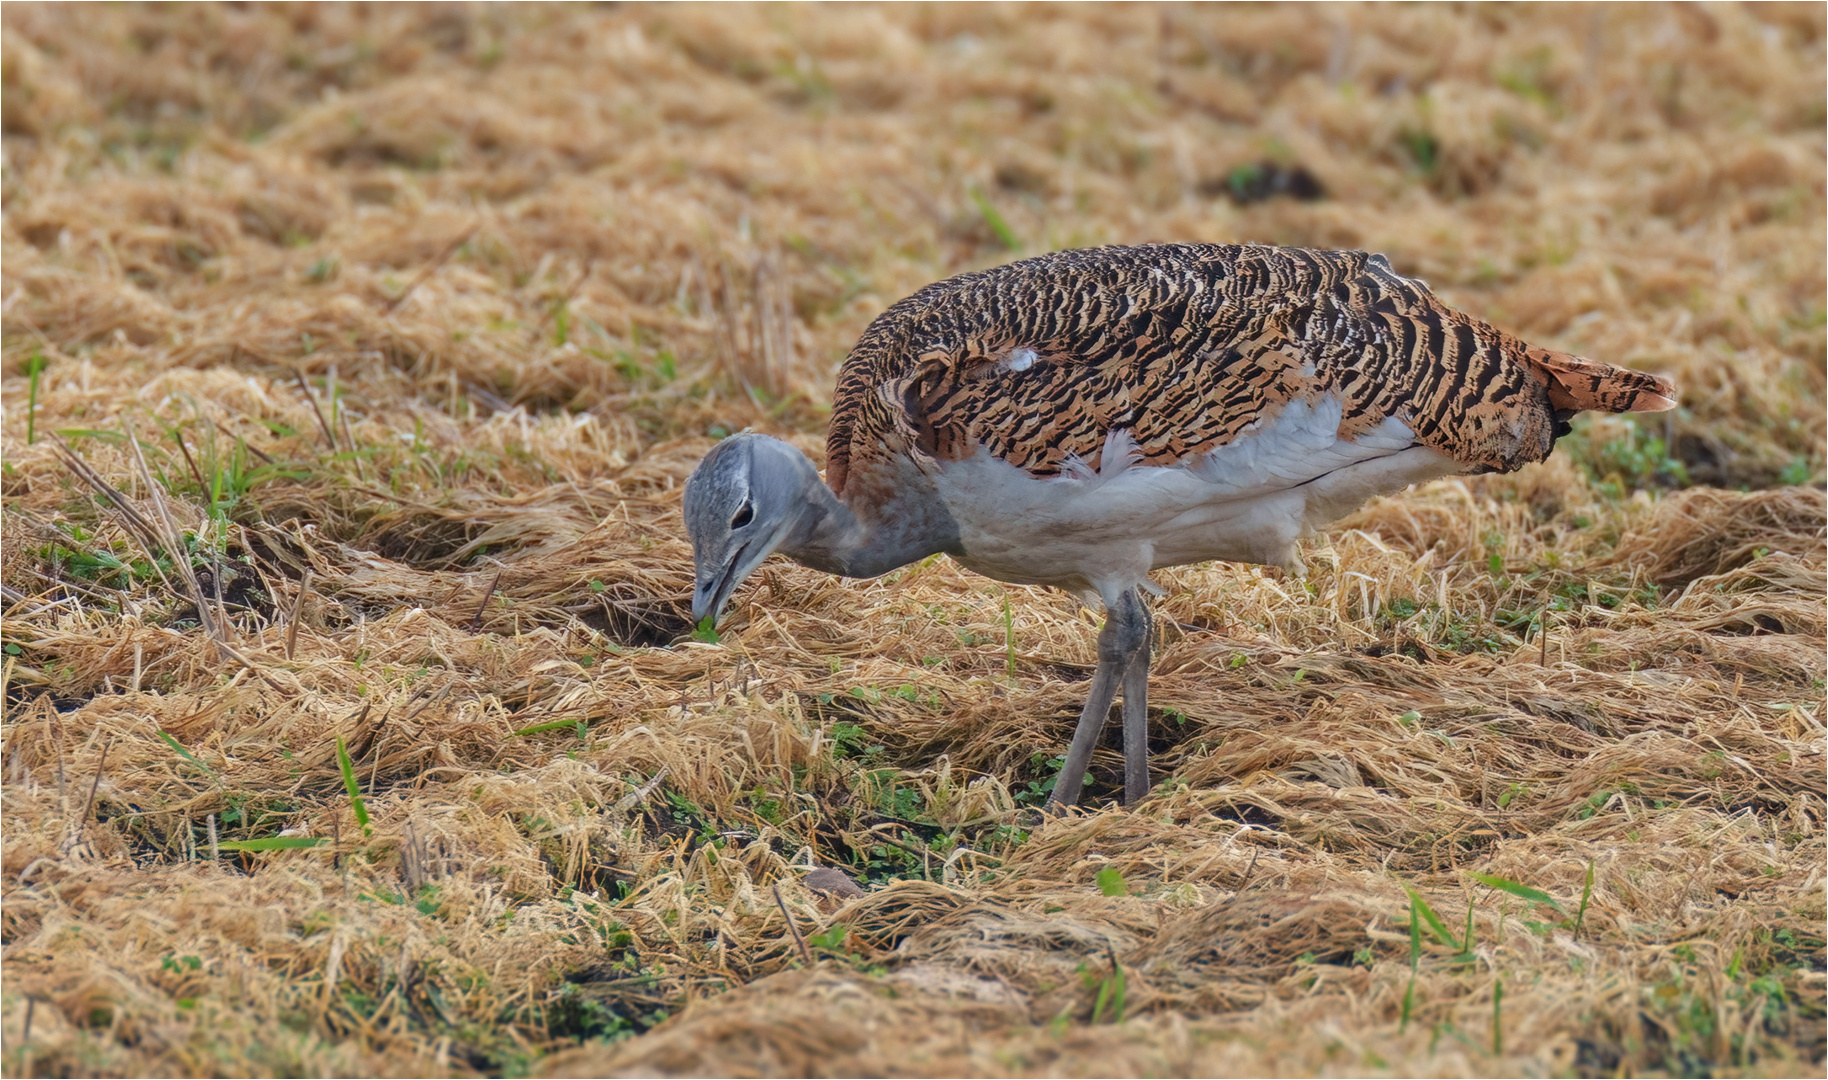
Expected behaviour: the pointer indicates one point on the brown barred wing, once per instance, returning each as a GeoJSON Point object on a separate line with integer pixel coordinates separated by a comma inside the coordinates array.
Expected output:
{"type": "Point", "coordinates": [1182, 346]}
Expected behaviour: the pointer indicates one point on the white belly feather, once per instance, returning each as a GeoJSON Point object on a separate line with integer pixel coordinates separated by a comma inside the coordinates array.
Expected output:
{"type": "Point", "coordinates": [1247, 501]}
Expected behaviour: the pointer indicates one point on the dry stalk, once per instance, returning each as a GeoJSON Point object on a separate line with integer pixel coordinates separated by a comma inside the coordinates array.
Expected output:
{"type": "Point", "coordinates": [638, 796]}
{"type": "Point", "coordinates": [136, 522]}
{"type": "Point", "coordinates": [190, 462]}
{"type": "Point", "coordinates": [1248, 870]}
{"type": "Point", "coordinates": [430, 700]}
{"type": "Point", "coordinates": [101, 764]}
{"type": "Point", "coordinates": [798, 939]}
{"type": "Point", "coordinates": [323, 425]}
{"type": "Point", "coordinates": [488, 594]}
{"type": "Point", "coordinates": [432, 267]}
{"type": "Point", "coordinates": [298, 607]}
{"type": "Point", "coordinates": [252, 449]}
{"type": "Point", "coordinates": [166, 532]}
{"type": "Point", "coordinates": [92, 592]}
{"type": "Point", "coordinates": [413, 875]}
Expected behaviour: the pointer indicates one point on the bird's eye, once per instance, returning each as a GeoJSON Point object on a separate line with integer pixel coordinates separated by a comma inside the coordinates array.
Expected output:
{"type": "Point", "coordinates": [743, 517]}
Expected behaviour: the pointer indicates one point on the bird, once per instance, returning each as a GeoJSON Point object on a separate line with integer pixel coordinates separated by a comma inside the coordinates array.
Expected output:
{"type": "Point", "coordinates": [1081, 418]}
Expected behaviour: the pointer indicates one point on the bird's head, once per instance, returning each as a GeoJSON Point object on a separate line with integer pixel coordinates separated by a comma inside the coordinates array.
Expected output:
{"type": "Point", "coordinates": [746, 498]}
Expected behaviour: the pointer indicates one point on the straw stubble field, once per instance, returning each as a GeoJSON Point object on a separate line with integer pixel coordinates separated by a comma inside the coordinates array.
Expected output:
{"type": "Point", "coordinates": [353, 361]}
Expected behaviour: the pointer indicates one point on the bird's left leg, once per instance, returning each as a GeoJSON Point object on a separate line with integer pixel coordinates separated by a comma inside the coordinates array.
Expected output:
{"type": "Point", "coordinates": [1136, 700]}
{"type": "Point", "coordinates": [1125, 633]}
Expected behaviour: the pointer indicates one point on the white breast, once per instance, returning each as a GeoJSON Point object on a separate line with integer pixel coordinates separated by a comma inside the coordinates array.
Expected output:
{"type": "Point", "coordinates": [1247, 501]}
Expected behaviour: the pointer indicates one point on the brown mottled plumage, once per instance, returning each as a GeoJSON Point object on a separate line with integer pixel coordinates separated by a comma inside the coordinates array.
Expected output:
{"type": "Point", "coordinates": [1082, 418]}
{"type": "Point", "coordinates": [1187, 345]}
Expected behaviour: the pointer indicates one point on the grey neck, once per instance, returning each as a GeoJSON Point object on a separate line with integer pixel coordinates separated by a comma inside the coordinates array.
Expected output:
{"type": "Point", "coordinates": [832, 537]}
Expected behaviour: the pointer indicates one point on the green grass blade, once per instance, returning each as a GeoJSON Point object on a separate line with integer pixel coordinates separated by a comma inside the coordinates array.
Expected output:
{"type": "Point", "coordinates": [550, 725]}
{"type": "Point", "coordinates": [1415, 935]}
{"type": "Point", "coordinates": [1415, 959]}
{"type": "Point", "coordinates": [186, 754]}
{"type": "Point", "coordinates": [74, 433]}
{"type": "Point", "coordinates": [1498, 1018]}
{"type": "Point", "coordinates": [1435, 926]}
{"type": "Point", "coordinates": [354, 788]}
{"type": "Point", "coordinates": [993, 218]}
{"type": "Point", "coordinates": [261, 474]}
{"type": "Point", "coordinates": [34, 367]}
{"type": "Point", "coordinates": [272, 843]}
{"type": "Point", "coordinates": [1009, 640]}
{"type": "Point", "coordinates": [1111, 994]}
{"type": "Point", "coordinates": [1519, 890]}
{"type": "Point", "coordinates": [1586, 894]}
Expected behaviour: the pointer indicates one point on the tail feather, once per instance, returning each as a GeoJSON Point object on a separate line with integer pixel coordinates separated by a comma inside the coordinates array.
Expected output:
{"type": "Point", "coordinates": [1577, 383]}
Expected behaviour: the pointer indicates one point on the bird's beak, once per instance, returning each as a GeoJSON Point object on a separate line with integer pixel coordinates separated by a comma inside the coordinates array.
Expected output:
{"type": "Point", "coordinates": [709, 595]}
{"type": "Point", "coordinates": [714, 585]}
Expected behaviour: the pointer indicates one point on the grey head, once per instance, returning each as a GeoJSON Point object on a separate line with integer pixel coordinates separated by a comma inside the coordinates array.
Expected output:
{"type": "Point", "coordinates": [750, 495]}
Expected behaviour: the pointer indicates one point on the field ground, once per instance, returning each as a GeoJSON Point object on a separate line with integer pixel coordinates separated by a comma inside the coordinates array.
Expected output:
{"type": "Point", "coordinates": [354, 358]}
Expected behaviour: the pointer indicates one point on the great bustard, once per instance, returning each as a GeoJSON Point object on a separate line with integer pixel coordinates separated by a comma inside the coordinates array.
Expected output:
{"type": "Point", "coordinates": [1081, 418]}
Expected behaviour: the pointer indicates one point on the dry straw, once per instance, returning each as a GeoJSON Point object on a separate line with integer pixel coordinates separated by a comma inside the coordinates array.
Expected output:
{"type": "Point", "coordinates": [353, 360]}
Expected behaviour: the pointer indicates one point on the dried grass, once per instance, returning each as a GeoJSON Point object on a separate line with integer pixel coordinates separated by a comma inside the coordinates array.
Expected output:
{"type": "Point", "coordinates": [422, 315]}
{"type": "Point", "coordinates": [1707, 533]}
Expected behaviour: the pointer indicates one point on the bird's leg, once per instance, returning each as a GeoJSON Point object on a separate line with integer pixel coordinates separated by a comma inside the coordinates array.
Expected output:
{"type": "Point", "coordinates": [1136, 708]}
{"type": "Point", "coordinates": [1126, 629]}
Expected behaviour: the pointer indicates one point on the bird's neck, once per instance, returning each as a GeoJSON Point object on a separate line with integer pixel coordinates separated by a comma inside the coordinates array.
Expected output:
{"type": "Point", "coordinates": [828, 535]}
{"type": "Point", "coordinates": [889, 532]}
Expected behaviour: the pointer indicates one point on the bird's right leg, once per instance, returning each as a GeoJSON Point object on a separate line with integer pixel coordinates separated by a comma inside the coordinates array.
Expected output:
{"type": "Point", "coordinates": [1136, 712]}
{"type": "Point", "coordinates": [1126, 631]}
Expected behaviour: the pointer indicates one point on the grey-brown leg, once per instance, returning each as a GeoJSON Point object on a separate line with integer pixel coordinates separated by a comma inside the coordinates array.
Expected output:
{"type": "Point", "coordinates": [1126, 630]}
{"type": "Point", "coordinates": [1136, 715]}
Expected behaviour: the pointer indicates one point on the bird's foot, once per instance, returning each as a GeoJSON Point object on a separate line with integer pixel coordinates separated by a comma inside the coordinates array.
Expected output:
{"type": "Point", "coordinates": [1034, 817]}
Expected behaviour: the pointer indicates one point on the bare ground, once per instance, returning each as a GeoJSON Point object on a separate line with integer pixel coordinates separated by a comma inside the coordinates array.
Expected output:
{"type": "Point", "coordinates": [353, 359]}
